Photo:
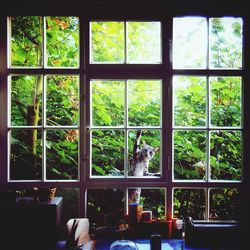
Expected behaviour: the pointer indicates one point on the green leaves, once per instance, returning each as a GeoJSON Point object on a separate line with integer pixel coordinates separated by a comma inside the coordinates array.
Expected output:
{"type": "Point", "coordinates": [62, 41]}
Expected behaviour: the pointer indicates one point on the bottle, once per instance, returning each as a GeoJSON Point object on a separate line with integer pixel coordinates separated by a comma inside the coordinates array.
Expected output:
{"type": "Point", "coordinates": [155, 242]}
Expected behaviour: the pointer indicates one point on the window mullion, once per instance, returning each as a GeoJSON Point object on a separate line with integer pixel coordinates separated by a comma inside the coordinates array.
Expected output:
{"type": "Point", "coordinates": [44, 40]}
{"type": "Point", "coordinates": [44, 126]}
{"type": "Point", "coordinates": [126, 42]}
{"type": "Point", "coordinates": [126, 161]}
{"type": "Point", "coordinates": [208, 125]}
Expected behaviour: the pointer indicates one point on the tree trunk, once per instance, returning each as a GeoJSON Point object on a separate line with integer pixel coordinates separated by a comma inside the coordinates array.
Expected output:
{"type": "Point", "coordinates": [32, 120]}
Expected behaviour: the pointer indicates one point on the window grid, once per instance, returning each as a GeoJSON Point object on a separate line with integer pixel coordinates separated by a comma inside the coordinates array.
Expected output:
{"type": "Point", "coordinates": [161, 183]}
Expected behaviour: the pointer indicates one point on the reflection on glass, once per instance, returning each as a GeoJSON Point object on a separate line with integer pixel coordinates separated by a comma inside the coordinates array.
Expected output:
{"type": "Point", "coordinates": [108, 152]}
{"type": "Point", "coordinates": [26, 154]}
{"type": "Point", "coordinates": [226, 101]}
{"type": "Point", "coordinates": [62, 154]}
{"type": "Point", "coordinates": [151, 200]}
{"type": "Point", "coordinates": [189, 202]}
{"type": "Point", "coordinates": [189, 99]}
{"type": "Point", "coordinates": [70, 208]}
{"type": "Point", "coordinates": [225, 155]}
{"type": "Point", "coordinates": [107, 102]}
{"type": "Point", "coordinates": [224, 204]}
{"type": "Point", "coordinates": [107, 42]}
{"type": "Point", "coordinates": [105, 207]}
{"type": "Point", "coordinates": [144, 42]}
{"type": "Point", "coordinates": [62, 41]}
{"type": "Point", "coordinates": [144, 102]}
{"type": "Point", "coordinates": [62, 100]}
{"type": "Point", "coordinates": [225, 42]}
{"type": "Point", "coordinates": [26, 41]}
{"type": "Point", "coordinates": [189, 155]}
{"type": "Point", "coordinates": [26, 100]}
{"type": "Point", "coordinates": [189, 36]}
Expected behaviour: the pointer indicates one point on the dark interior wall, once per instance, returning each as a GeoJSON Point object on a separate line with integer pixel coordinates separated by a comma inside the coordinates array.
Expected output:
{"type": "Point", "coordinates": [125, 7]}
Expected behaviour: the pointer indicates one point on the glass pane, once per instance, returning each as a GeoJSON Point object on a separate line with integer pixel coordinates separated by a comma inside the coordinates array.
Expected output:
{"type": "Point", "coordinates": [152, 200]}
{"type": "Point", "coordinates": [144, 102]}
{"type": "Point", "coordinates": [107, 42]}
{"type": "Point", "coordinates": [189, 202]}
{"type": "Point", "coordinates": [108, 153]}
{"type": "Point", "coordinates": [144, 160]}
{"type": "Point", "coordinates": [189, 35]}
{"type": "Point", "coordinates": [105, 207]}
{"type": "Point", "coordinates": [226, 101]}
{"type": "Point", "coordinates": [189, 154]}
{"type": "Point", "coordinates": [62, 44]}
{"type": "Point", "coordinates": [62, 100]}
{"type": "Point", "coordinates": [225, 42]}
{"type": "Point", "coordinates": [26, 154]}
{"type": "Point", "coordinates": [26, 100]}
{"type": "Point", "coordinates": [224, 204]}
{"type": "Point", "coordinates": [189, 99]}
{"type": "Point", "coordinates": [26, 41]}
{"type": "Point", "coordinates": [70, 208]}
{"type": "Point", "coordinates": [62, 154]}
{"type": "Point", "coordinates": [225, 155]}
{"type": "Point", "coordinates": [107, 102]}
{"type": "Point", "coordinates": [144, 42]}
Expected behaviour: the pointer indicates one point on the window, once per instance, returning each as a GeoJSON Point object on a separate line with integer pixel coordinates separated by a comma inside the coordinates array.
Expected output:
{"type": "Point", "coordinates": [78, 89]}
{"type": "Point", "coordinates": [44, 108]}
{"type": "Point", "coordinates": [207, 114]}
{"type": "Point", "coordinates": [119, 108]}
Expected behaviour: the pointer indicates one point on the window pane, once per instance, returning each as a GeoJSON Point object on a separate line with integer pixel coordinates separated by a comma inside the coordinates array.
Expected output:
{"type": "Point", "coordinates": [108, 152]}
{"type": "Point", "coordinates": [189, 202]}
{"type": "Point", "coordinates": [226, 101]}
{"type": "Point", "coordinates": [150, 156]}
{"type": "Point", "coordinates": [189, 154]}
{"type": "Point", "coordinates": [225, 42]}
{"type": "Point", "coordinates": [189, 35]}
{"type": "Point", "coordinates": [151, 199]}
{"type": "Point", "coordinates": [107, 102]}
{"type": "Point", "coordinates": [224, 204]}
{"type": "Point", "coordinates": [70, 208]}
{"type": "Point", "coordinates": [62, 154]}
{"type": "Point", "coordinates": [105, 207]}
{"type": "Point", "coordinates": [26, 100]}
{"type": "Point", "coordinates": [25, 154]}
{"type": "Point", "coordinates": [62, 100]}
{"type": "Point", "coordinates": [107, 42]}
{"type": "Point", "coordinates": [62, 34]}
{"type": "Point", "coordinates": [144, 42]}
{"type": "Point", "coordinates": [26, 41]}
{"type": "Point", "coordinates": [189, 100]}
{"type": "Point", "coordinates": [225, 155]}
{"type": "Point", "coordinates": [144, 102]}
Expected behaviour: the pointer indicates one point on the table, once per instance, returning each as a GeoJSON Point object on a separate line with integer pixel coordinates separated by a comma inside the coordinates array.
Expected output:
{"type": "Point", "coordinates": [30, 224]}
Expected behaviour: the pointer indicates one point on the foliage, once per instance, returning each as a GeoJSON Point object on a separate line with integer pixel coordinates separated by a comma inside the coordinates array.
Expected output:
{"type": "Point", "coordinates": [105, 206]}
{"type": "Point", "coordinates": [189, 202]}
{"type": "Point", "coordinates": [26, 41]}
{"type": "Point", "coordinates": [154, 200]}
{"type": "Point", "coordinates": [62, 34]}
{"type": "Point", "coordinates": [225, 202]}
{"type": "Point", "coordinates": [140, 44]}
